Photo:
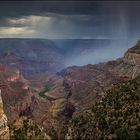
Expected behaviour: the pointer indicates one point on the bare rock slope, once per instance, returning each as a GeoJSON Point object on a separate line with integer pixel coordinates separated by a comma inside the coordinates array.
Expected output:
{"type": "Point", "coordinates": [4, 129]}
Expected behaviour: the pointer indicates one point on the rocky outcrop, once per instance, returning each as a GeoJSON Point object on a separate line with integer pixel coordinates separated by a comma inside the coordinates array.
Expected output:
{"type": "Point", "coordinates": [129, 65]}
{"type": "Point", "coordinates": [15, 93]}
{"type": "Point", "coordinates": [4, 129]}
{"type": "Point", "coordinates": [132, 56]}
{"type": "Point", "coordinates": [14, 77]}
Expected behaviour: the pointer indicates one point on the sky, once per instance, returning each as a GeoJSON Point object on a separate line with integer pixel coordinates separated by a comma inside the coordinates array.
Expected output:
{"type": "Point", "coordinates": [70, 19]}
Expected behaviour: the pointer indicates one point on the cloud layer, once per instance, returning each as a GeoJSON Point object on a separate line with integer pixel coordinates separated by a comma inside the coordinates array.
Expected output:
{"type": "Point", "coordinates": [63, 20]}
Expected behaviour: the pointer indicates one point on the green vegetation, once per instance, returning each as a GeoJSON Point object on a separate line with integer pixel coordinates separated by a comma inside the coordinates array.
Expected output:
{"type": "Point", "coordinates": [116, 116]}
{"type": "Point", "coordinates": [26, 129]}
{"type": "Point", "coordinates": [46, 88]}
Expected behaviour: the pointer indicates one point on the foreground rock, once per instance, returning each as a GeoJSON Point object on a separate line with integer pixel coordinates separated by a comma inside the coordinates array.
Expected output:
{"type": "Point", "coordinates": [133, 54]}
{"type": "Point", "coordinates": [4, 129]}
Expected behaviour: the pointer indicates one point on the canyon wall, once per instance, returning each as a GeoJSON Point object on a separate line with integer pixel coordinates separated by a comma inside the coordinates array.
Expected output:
{"type": "Point", "coordinates": [4, 129]}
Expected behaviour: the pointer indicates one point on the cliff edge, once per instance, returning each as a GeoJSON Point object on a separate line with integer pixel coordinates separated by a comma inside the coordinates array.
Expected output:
{"type": "Point", "coordinates": [4, 129]}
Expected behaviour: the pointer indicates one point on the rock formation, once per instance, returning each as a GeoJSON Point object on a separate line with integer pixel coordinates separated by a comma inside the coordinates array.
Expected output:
{"type": "Point", "coordinates": [4, 129]}
{"type": "Point", "coordinates": [133, 55]}
{"type": "Point", "coordinates": [15, 93]}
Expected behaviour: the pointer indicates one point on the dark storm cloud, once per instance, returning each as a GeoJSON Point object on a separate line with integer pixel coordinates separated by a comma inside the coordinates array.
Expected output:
{"type": "Point", "coordinates": [24, 8]}
{"type": "Point", "coordinates": [48, 19]}
{"type": "Point", "coordinates": [70, 19]}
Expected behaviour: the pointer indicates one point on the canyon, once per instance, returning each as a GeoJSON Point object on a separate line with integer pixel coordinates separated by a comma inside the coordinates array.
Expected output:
{"type": "Point", "coordinates": [67, 92]}
{"type": "Point", "coordinates": [82, 87]}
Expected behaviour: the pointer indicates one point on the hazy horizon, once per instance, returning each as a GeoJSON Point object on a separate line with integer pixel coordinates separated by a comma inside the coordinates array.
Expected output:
{"type": "Point", "coordinates": [80, 52]}
{"type": "Point", "coordinates": [117, 21]}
